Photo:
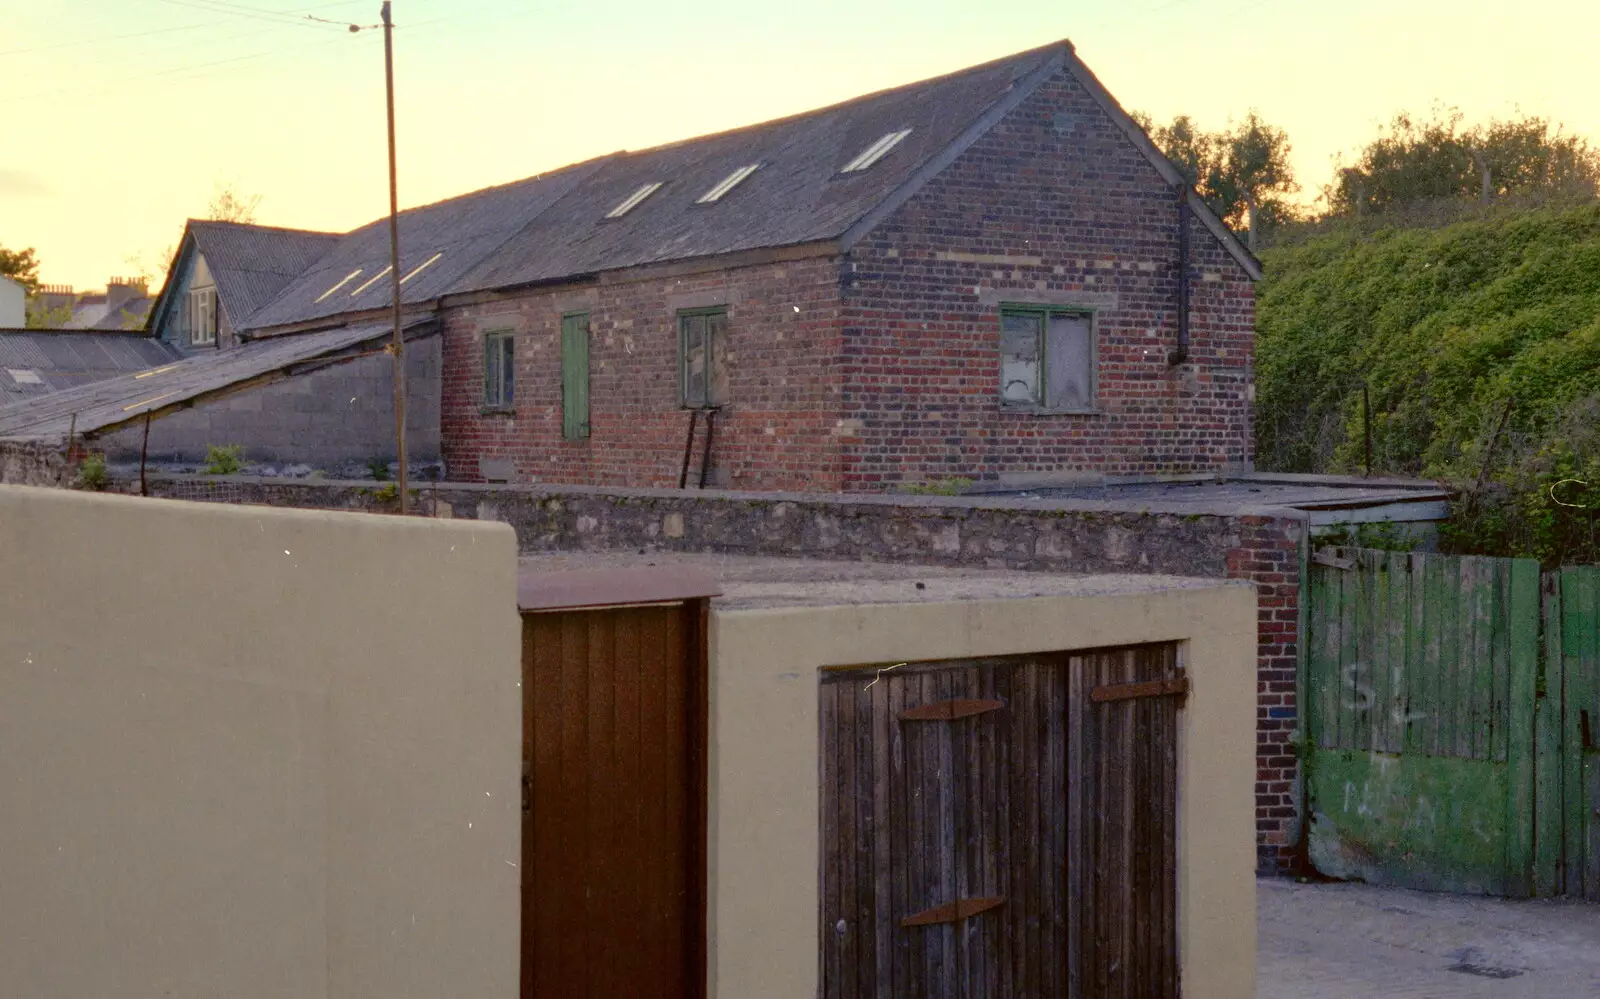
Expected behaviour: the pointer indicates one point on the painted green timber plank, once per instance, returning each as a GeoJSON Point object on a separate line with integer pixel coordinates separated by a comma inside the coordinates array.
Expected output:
{"type": "Point", "coordinates": [1499, 714]}
{"type": "Point", "coordinates": [1349, 656]}
{"type": "Point", "coordinates": [1482, 685]}
{"type": "Point", "coordinates": [1459, 666]}
{"type": "Point", "coordinates": [1583, 630]}
{"type": "Point", "coordinates": [1549, 871]}
{"type": "Point", "coordinates": [1415, 822]}
{"type": "Point", "coordinates": [1576, 600]}
{"type": "Point", "coordinates": [1523, 611]}
{"type": "Point", "coordinates": [1377, 595]}
{"type": "Point", "coordinates": [1572, 820]}
{"type": "Point", "coordinates": [1420, 714]}
{"type": "Point", "coordinates": [1437, 622]}
{"type": "Point", "coordinates": [1400, 666]}
{"type": "Point", "coordinates": [1322, 659]}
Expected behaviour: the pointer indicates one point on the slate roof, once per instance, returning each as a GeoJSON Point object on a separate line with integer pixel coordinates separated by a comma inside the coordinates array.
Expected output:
{"type": "Point", "coordinates": [463, 230]}
{"type": "Point", "coordinates": [552, 227]}
{"type": "Point", "coordinates": [64, 360]}
{"type": "Point", "coordinates": [106, 404]}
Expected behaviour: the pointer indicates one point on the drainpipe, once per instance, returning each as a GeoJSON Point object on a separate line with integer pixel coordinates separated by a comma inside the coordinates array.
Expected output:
{"type": "Point", "coordinates": [1182, 353]}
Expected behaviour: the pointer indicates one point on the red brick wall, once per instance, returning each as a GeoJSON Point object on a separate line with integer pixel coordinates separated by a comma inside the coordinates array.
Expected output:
{"type": "Point", "coordinates": [1053, 205]}
{"type": "Point", "coordinates": [779, 430]}
{"type": "Point", "coordinates": [1269, 556]}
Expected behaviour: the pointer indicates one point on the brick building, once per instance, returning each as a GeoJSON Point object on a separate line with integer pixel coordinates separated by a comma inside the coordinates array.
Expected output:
{"type": "Point", "coordinates": [992, 275]}
{"type": "Point", "coordinates": [977, 276]}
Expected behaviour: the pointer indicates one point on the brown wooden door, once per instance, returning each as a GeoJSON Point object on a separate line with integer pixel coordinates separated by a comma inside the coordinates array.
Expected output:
{"type": "Point", "coordinates": [991, 830]}
{"type": "Point", "coordinates": [613, 824]}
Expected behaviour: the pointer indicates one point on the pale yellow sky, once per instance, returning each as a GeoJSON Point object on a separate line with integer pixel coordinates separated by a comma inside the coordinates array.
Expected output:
{"type": "Point", "coordinates": [120, 118]}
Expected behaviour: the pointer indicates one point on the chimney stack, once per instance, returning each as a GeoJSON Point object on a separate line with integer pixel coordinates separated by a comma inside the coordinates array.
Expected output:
{"type": "Point", "coordinates": [121, 290]}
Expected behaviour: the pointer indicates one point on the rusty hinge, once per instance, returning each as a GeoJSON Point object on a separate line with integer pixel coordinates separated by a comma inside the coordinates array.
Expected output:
{"type": "Point", "coordinates": [1177, 686]}
{"type": "Point", "coordinates": [953, 912]}
{"type": "Point", "coordinates": [1325, 556]}
{"type": "Point", "coordinates": [961, 707]}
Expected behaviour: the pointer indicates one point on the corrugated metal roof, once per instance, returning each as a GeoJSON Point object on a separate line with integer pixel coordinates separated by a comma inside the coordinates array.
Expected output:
{"type": "Point", "coordinates": [106, 404]}
{"type": "Point", "coordinates": [64, 360]}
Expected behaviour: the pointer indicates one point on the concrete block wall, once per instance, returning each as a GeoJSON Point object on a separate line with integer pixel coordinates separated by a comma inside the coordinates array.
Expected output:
{"type": "Point", "coordinates": [328, 418]}
{"type": "Point", "coordinates": [1262, 547]}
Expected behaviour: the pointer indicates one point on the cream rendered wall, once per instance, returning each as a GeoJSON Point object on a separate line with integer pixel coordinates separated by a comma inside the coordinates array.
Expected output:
{"type": "Point", "coordinates": [764, 795]}
{"type": "Point", "coordinates": [250, 752]}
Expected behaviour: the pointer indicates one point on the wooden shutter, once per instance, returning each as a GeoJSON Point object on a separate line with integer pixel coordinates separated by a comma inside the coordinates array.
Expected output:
{"type": "Point", "coordinates": [575, 377]}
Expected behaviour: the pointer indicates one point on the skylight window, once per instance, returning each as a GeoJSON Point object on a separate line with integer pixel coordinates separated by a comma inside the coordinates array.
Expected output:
{"type": "Point", "coordinates": [369, 281]}
{"type": "Point", "coordinates": [422, 267]}
{"type": "Point", "coordinates": [728, 183]}
{"type": "Point", "coordinates": [346, 280]}
{"type": "Point", "coordinates": [632, 201]}
{"type": "Point", "coordinates": [875, 152]}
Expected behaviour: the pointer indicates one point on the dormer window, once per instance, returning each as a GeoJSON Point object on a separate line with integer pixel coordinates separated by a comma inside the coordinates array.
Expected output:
{"type": "Point", "coordinates": [727, 184]}
{"type": "Point", "coordinates": [875, 152]}
{"type": "Point", "coordinates": [201, 316]}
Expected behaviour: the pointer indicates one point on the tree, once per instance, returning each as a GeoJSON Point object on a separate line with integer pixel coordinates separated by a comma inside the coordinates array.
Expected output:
{"type": "Point", "coordinates": [22, 266]}
{"type": "Point", "coordinates": [1242, 173]}
{"type": "Point", "coordinates": [41, 317]}
{"type": "Point", "coordinates": [226, 205]}
{"type": "Point", "coordinates": [1415, 161]}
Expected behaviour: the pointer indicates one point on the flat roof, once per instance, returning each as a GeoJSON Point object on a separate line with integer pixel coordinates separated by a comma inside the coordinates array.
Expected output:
{"type": "Point", "coordinates": [748, 582]}
{"type": "Point", "coordinates": [1329, 498]}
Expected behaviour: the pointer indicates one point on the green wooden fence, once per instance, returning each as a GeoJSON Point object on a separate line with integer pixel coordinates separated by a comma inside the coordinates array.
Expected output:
{"type": "Point", "coordinates": [1445, 735]}
{"type": "Point", "coordinates": [1572, 738]}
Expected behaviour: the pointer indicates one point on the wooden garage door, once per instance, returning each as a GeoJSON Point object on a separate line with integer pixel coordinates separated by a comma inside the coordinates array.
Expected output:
{"type": "Point", "coordinates": [613, 823]}
{"type": "Point", "coordinates": [1001, 828]}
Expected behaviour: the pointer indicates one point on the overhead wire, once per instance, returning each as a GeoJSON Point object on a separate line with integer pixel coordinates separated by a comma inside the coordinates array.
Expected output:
{"type": "Point", "coordinates": [106, 39]}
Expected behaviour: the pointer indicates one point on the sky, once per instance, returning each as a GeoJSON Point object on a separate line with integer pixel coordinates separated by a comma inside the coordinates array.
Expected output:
{"type": "Point", "coordinates": [121, 118]}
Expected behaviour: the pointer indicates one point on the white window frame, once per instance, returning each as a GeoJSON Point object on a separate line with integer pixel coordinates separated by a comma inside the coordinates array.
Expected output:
{"type": "Point", "coordinates": [202, 316]}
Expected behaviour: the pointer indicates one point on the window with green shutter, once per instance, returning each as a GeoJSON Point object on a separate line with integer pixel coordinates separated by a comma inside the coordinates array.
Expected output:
{"type": "Point", "coordinates": [575, 376]}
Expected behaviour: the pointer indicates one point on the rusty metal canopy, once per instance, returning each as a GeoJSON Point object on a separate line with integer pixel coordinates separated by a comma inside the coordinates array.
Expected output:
{"type": "Point", "coordinates": [577, 589]}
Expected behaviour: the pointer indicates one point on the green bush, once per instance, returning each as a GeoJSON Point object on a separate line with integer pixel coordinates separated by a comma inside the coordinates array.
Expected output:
{"type": "Point", "coordinates": [379, 467]}
{"type": "Point", "coordinates": [224, 460]}
{"type": "Point", "coordinates": [1446, 329]}
{"type": "Point", "coordinates": [92, 473]}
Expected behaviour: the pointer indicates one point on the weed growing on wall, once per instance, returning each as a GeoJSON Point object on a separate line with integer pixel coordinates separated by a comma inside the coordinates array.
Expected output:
{"type": "Point", "coordinates": [224, 460]}
{"type": "Point", "coordinates": [92, 474]}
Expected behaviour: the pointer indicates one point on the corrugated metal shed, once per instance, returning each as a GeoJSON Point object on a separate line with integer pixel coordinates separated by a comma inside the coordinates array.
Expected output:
{"type": "Point", "coordinates": [107, 404]}
{"type": "Point", "coordinates": [40, 362]}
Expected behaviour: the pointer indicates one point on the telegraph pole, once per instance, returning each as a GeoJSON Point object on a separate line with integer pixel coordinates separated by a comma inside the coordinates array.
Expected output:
{"type": "Point", "coordinates": [398, 347]}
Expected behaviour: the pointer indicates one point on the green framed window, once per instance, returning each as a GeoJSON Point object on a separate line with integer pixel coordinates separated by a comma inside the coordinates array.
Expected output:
{"type": "Point", "coordinates": [499, 369]}
{"type": "Point", "coordinates": [703, 358]}
{"type": "Point", "coordinates": [1047, 358]}
{"type": "Point", "coordinates": [575, 376]}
